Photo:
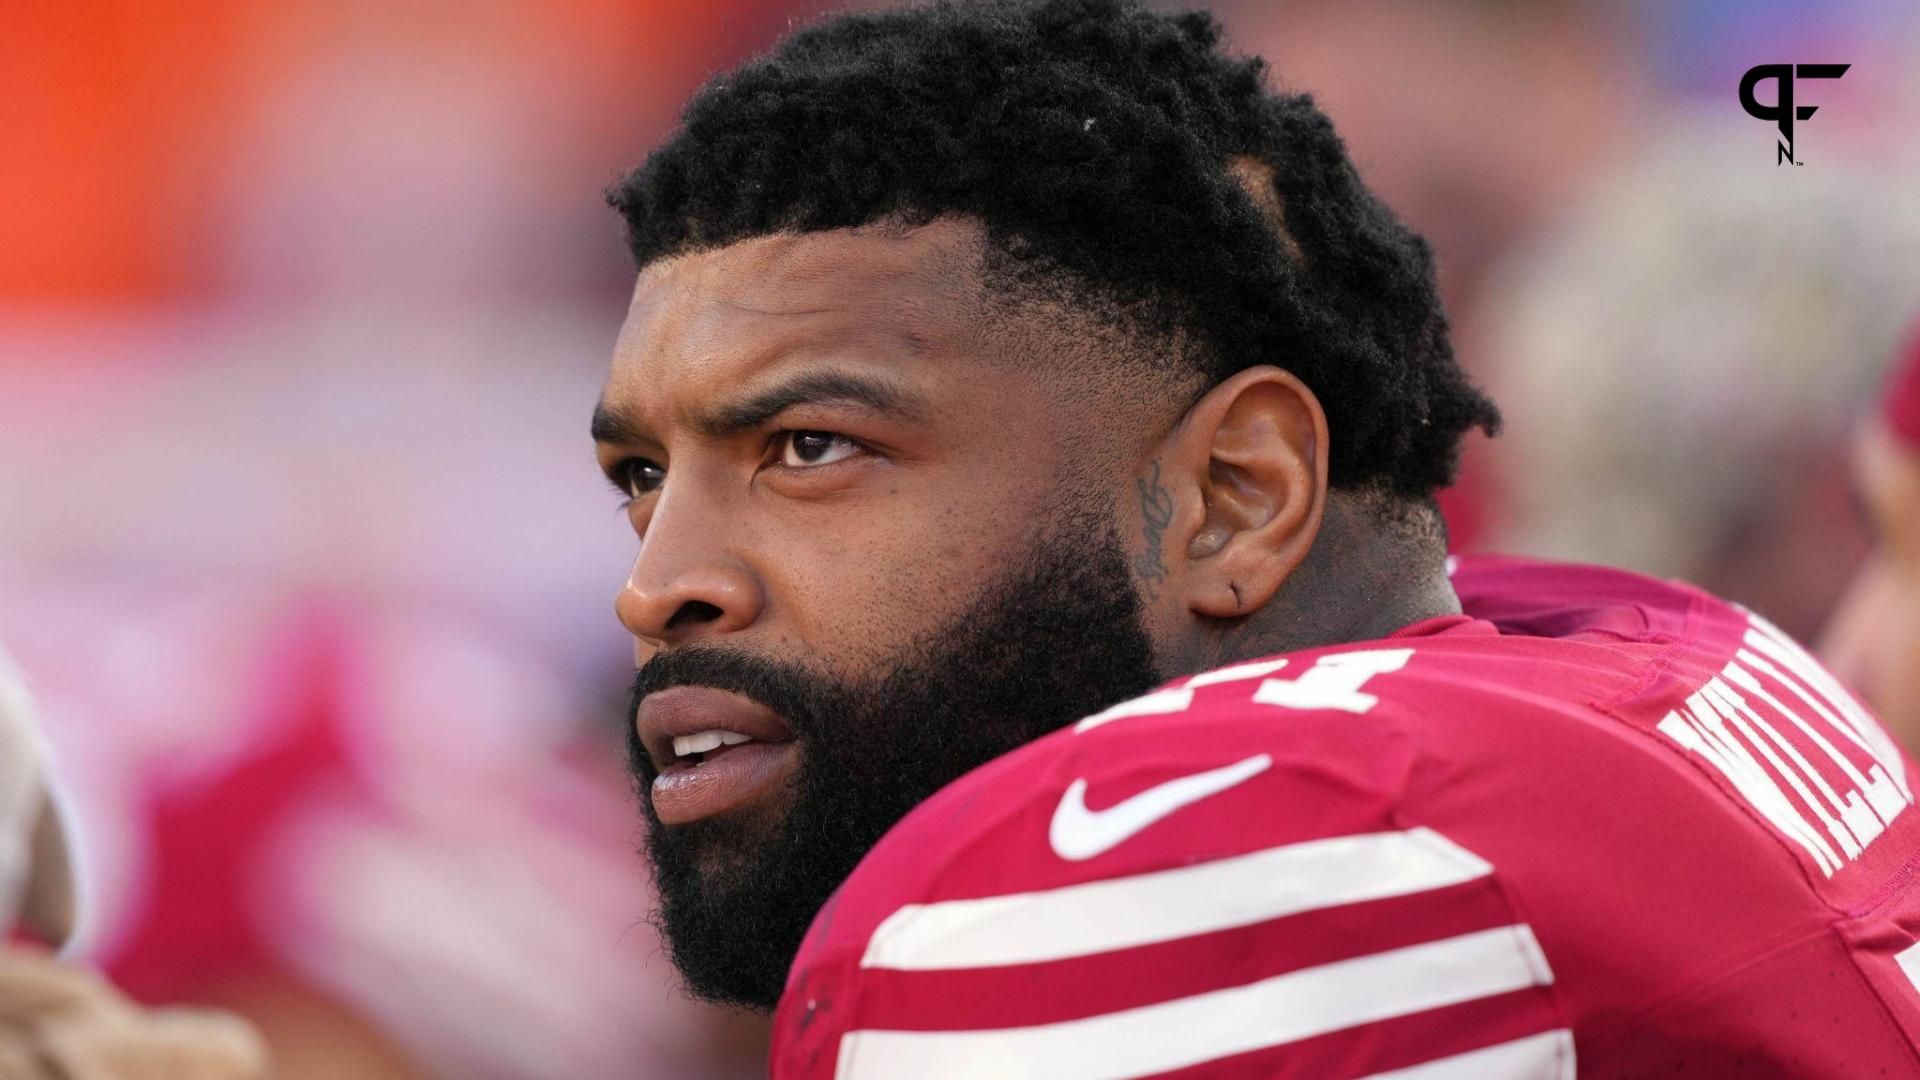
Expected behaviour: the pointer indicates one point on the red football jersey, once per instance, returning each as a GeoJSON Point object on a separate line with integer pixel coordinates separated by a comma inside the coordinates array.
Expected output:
{"type": "Point", "coordinates": [1597, 822]}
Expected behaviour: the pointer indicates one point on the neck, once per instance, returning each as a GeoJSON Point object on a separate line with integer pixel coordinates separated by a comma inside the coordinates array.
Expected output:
{"type": "Point", "coordinates": [1359, 582]}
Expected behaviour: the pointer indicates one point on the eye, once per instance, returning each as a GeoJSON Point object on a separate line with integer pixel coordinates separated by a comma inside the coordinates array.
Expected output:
{"type": "Point", "coordinates": [806, 449]}
{"type": "Point", "coordinates": [634, 477]}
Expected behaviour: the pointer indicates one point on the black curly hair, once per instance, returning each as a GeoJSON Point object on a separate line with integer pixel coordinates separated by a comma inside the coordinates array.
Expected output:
{"type": "Point", "coordinates": [1113, 155]}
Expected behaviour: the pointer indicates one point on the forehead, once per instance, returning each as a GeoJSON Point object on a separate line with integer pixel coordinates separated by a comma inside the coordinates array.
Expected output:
{"type": "Point", "coordinates": [719, 316]}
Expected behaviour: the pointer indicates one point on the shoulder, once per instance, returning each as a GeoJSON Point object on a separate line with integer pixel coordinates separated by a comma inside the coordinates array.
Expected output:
{"type": "Point", "coordinates": [1245, 828]}
{"type": "Point", "coordinates": [1482, 833]}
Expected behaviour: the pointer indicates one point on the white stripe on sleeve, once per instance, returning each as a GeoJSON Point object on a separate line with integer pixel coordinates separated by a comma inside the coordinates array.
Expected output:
{"type": "Point", "coordinates": [1546, 1056]}
{"type": "Point", "coordinates": [1205, 1027]}
{"type": "Point", "coordinates": [1120, 913]}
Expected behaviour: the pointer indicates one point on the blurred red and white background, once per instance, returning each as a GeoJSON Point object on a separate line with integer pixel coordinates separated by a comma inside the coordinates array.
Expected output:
{"type": "Point", "coordinates": [304, 304]}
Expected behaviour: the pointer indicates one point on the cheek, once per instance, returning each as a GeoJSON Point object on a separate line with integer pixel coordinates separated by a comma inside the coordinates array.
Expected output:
{"type": "Point", "coordinates": [887, 576]}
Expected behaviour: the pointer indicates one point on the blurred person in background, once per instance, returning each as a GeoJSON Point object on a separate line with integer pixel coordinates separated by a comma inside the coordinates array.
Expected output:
{"type": "Point", "coordinates": [1683, 358]}
{"type": "Point", "coordinates": [59, 1021]}
{"type": "Point", "coordinates": [1874, 637]}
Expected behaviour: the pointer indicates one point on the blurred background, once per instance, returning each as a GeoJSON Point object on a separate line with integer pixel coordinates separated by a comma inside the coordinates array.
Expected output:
{"type": "Point", "coordinates": [304, 305]}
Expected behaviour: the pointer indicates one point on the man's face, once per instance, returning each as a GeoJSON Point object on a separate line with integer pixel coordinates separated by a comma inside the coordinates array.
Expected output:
{"type": "Point", "coordinates": [873, 556]}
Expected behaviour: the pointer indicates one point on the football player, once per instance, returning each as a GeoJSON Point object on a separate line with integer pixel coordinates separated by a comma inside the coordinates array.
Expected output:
{"type": "Point", "coordinates": [1051, 665]}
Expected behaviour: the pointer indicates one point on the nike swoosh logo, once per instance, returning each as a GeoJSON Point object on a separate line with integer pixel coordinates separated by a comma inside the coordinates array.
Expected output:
{"type": "Point", "coordinates": [1078, 833]}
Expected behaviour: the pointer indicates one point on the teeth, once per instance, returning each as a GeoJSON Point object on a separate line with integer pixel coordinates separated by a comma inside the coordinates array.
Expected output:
{"type": "Point", "coordinates": [688, 745]}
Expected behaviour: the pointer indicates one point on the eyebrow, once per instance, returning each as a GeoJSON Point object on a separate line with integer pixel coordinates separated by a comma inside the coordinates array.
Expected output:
{"type": "Point", "coordinates": [809, 388]}
{"type": "Point", "coordinates": [614, 425]}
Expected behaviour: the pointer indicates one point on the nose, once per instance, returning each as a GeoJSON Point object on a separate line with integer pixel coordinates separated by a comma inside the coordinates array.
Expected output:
{"type": "Point", "coordinates": [685, 587]}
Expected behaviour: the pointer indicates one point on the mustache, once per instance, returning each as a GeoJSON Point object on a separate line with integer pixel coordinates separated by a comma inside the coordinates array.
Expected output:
{"type": "Point", "coordinates": [800, 697]}
{"type": "Point", "coordinates": [792, 690]}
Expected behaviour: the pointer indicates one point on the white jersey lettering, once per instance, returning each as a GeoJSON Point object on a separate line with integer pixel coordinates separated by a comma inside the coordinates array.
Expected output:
{"type": "Point", "coordinates": [1799, 750]}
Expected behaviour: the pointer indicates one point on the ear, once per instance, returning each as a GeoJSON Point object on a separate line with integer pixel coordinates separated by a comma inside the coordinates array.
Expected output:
{"type": "Point", "coordinates": [1257, 446]}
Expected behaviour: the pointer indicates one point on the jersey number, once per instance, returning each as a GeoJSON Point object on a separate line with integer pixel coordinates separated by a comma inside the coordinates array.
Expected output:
{"type": "Point", "coordinates": [1333, 682]}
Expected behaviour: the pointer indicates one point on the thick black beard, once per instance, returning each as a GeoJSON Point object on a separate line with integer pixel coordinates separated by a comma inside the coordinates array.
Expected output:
{"type": "Point", "coordinates": [1057, 638]}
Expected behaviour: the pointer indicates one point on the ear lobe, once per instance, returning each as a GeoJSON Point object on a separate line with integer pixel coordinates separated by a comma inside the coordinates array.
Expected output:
{"type": "Point", "coordinates": [1266, 490]}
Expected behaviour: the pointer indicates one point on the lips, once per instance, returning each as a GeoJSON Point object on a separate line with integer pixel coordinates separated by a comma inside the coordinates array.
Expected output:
{"type": "Point", "coordinates": [738, 751]}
